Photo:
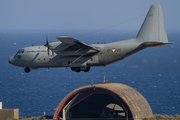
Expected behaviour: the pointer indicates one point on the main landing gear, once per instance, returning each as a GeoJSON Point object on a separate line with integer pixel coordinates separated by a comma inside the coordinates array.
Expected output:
{"type": "Point", "coordinates": [27, 69]}
{"type": "Point", "coordinates": [78, 69]}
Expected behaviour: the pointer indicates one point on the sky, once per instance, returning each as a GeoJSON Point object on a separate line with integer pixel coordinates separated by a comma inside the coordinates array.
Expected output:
{"type": "Point", "coordinates": [83, 14]}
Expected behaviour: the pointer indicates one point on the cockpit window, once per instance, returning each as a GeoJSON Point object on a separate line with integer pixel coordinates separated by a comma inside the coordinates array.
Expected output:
{"type": "Point", "coordinates": [20, 51]}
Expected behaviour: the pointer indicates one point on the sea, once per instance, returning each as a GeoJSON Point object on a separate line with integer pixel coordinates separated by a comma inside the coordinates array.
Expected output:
{"type": "Point", "coordinates": [154, 72]}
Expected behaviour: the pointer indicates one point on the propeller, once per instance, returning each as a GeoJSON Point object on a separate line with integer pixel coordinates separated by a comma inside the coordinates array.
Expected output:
{"type": "Point", "coordinates": [47, 45]}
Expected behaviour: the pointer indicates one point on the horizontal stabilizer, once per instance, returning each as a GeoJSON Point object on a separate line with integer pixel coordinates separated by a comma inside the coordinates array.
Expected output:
{"type": "Point", "coordinates": [155, 44]}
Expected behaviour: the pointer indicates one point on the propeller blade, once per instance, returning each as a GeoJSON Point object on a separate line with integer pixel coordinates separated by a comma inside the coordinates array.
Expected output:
{"type": "Point", "coordinates": [52, 53]}
{"type": "Point", "coordinates": [47, 45]}
{"type": "Point", "coordinates": [48, 51]}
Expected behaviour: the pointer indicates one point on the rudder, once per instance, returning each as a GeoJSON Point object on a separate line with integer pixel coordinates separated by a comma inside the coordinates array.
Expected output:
{"type": "Point", "coordinates": [153, 28]}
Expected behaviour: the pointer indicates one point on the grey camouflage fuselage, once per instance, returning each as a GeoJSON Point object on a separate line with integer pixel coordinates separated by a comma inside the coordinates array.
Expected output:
{"type": "Point", "coordinates": [69, 52]}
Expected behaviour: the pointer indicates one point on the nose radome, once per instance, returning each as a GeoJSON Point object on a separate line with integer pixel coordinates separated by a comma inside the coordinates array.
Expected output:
{"type": "Point", "coordinates": [16, 62]}
{"type": "Point", "coordinates": [11, 59]}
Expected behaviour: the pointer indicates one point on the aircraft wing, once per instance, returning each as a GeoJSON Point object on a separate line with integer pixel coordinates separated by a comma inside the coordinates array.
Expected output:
{"type": "Point", "coordinates": [71, 41]}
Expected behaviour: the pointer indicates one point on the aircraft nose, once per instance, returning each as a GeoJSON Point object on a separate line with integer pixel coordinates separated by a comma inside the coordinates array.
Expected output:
{"type": "Point", "coordinates": [14, 61]}
{"type": "Point", "coordinates": [11, 60]}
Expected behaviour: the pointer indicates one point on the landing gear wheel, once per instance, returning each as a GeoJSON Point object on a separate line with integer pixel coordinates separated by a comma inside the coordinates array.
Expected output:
{"type": "Point", "coordinates": [27, 69]}
{"type": "Point", "coordinates": [73, 68]}
{"type": "Point", "coordinates": [77, 69]}
{"type": "Point", "coordinates": [87, 69]}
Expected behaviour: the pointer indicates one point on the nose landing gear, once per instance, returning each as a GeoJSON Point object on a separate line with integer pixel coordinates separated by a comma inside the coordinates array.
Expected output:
{"type": "Point", "coordinates": [27, 69]}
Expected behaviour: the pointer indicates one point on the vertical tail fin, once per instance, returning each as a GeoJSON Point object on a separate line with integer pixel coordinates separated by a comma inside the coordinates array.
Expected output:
{"type": "Point", "coordinates": [153, 28]}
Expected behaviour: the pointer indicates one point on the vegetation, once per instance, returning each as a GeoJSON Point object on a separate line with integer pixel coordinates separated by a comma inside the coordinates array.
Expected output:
{"type": "Point", "coordinates": [164, 117]}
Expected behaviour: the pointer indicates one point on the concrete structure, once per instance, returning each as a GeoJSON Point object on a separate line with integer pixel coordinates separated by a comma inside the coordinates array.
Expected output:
{"type": "Point", "coordinates": [0, 105]}
{"type": "Point", "coordinates": [9, 113]}
{"type": "Point", "coordinates": [103, 101]}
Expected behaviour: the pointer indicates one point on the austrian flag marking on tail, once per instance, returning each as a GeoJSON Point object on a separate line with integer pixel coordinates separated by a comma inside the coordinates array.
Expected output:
{"type": "Point", "coordinates": [113, 50]}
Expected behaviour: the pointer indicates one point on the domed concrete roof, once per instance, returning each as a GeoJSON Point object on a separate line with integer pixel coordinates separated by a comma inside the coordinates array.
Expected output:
{"type": "Point", "coordinates": [92, 102]}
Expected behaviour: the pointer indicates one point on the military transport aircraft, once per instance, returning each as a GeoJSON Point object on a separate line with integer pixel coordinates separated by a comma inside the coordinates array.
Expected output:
{"type": "Point", "coordinates": [80, 56]}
